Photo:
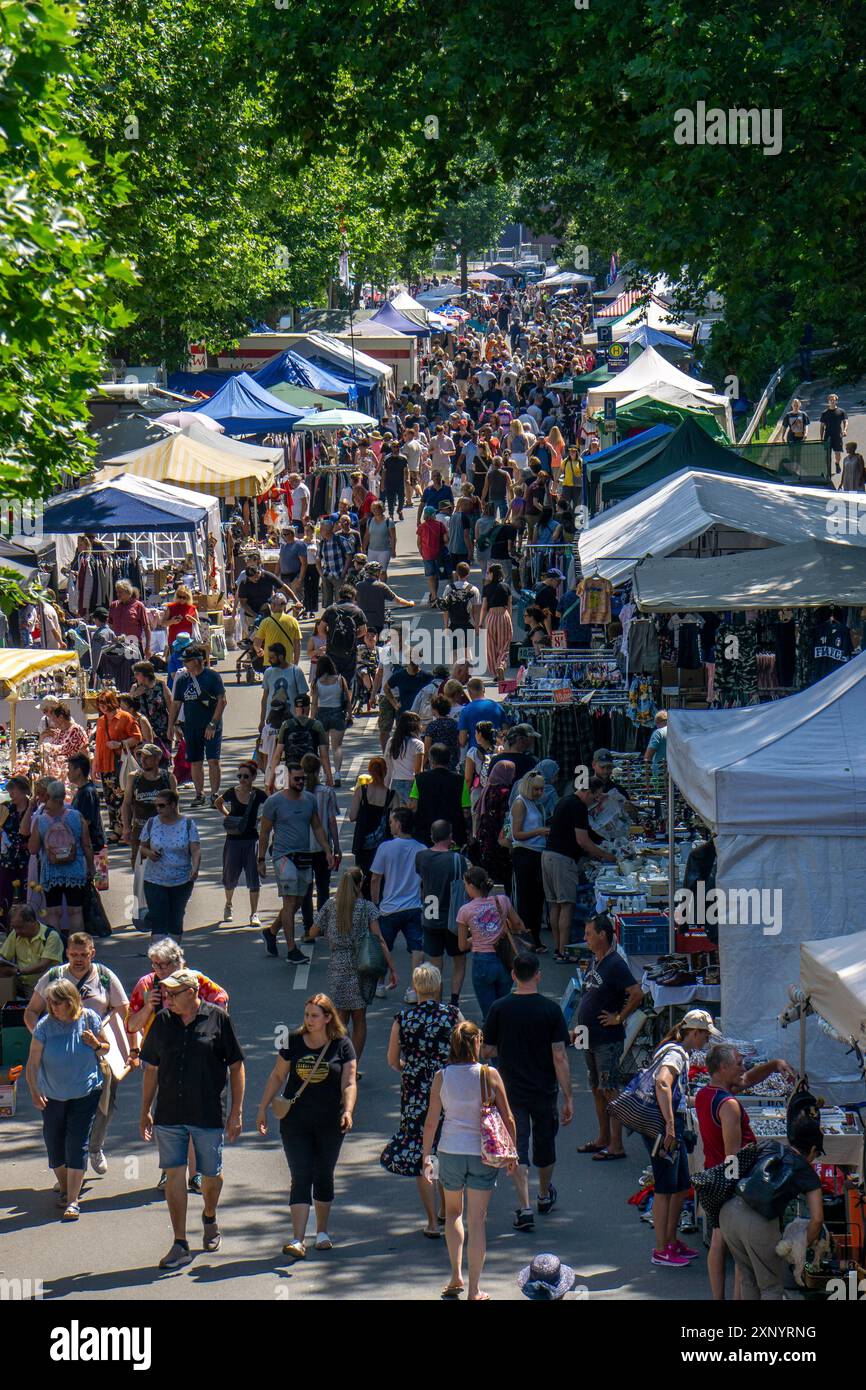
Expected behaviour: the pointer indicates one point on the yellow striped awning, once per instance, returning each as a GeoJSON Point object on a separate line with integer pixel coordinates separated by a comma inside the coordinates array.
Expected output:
{"type": "Point", "coordinates": [184, 462]}
{"type": "Point", "coordinates": [17, 663]}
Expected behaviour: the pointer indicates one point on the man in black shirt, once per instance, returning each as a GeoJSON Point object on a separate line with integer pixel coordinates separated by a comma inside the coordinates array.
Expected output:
{"type": "Point", "coordinates": [190, 1052]}
{"type": "Point", "coordinates": [602, 768]}
{"type": "Point", "coordinates": [440, 796]}
{"type": "Point", "coordinates": [346, 625]}
{"type": "Point", "coordinates": [517, 746]}
{"type": "Point", "coordinates": [834, 427]}
{"type": "Point", "coordinates": [394, 469]}
{"type": "Point", "coordinates": [610, 994]}
{"type": "Point", "coordinates": [255, 587]}
{"type": "Point", "coordinates": [529, 1034]}
{"type": "Point", "coordinates": [570, 840]}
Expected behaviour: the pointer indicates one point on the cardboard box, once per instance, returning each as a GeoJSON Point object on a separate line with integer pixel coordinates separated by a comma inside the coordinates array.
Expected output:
{"type": "Point", "coordinates": [8, 988]}
{"type": "Point", "coordinates": [8, 1100]}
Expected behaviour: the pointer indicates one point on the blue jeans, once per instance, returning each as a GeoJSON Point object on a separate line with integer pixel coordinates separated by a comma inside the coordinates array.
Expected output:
{"type": "Point", "coordinates": [490, 980]}
{"type": "Point", "coordinates": [66, 1126]}
{"type": "Point", "coordinates": [500, 507]}
{"type": "Point", "coordinates": [407, 921]}
{"type": "Point", "coordinates": [166, 907]}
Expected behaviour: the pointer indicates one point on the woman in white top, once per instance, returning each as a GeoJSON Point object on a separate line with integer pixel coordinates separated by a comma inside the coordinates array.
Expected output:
{"type": "Point", "coordinates": [316, 645]}
{"type": "Point", "coordinates": [311, 574]}
{"type": "Point", "coordinates": [529, 839]}
{"type": "Point", "coordinates": [456, 1091]}
{"type": "Point", "coordinates": [330, 705]}
{"type": "Point", "coordinates": [405, 755]}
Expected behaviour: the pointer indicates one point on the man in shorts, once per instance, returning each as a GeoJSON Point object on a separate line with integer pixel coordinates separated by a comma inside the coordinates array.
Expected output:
{"type": "Point", "coordinates": [201, 694]}
{"type": "Point", "coordinates": [436, 868]}
{"type": "Point", "coordinates": [291, 814]}
{"type": "Point", "coordinates": [571, 839]}
{"type": "Point", "coordinates": [399, 901]}
{"type": "Point", "coordinates": [610, 994]}
{"type": "Point", "coordinates": [285, 682]}
{"type": "Point", "coordinates": [190, 1052]}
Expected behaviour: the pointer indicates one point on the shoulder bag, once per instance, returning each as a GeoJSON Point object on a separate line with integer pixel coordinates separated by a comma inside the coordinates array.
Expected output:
{"type": "Point", "coordinates": [281, 1105]}
{"type": "Point", "coordinates": [767, 1189]}
{"type": "Point", "coordinates": [497, 1146]}
{"type": "Point", "coordinates": [505, 949]}
{"type": "Point", "coordinates": [636, 1106]}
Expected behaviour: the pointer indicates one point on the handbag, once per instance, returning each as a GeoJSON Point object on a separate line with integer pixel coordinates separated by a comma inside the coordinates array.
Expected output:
{"type": "Point", "coordinates": [768, 1189]}
{"type": "Point", "coordinates": [94, 916]}
{"type": "Point", "coordinates": [369, 956]}
{"type": "Point", "coordinates": [497, 1146]}
{"type": "Point", "coordinates": [636, 1106]}
{"type": "Point", "coordinates": [716, 1186]}
{"type": "Point", "coordinates": [505, 949]}
{"type": "Point", "coordinates": [281, 1105]}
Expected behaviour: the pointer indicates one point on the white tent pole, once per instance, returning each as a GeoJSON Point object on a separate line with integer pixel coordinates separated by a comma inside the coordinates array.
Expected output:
{"type": "Point", "coordinates": [672, 869]}
{"type": "Point", "coordinates": [196, 547]}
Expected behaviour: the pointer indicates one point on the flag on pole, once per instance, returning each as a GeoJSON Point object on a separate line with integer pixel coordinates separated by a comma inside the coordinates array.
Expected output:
{"type": "Point", "coordinates": [344, 257]}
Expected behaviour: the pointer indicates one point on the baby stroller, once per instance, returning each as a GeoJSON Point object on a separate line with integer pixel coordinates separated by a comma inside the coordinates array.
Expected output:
{"type": "Point", "coordinates": [249, 665]}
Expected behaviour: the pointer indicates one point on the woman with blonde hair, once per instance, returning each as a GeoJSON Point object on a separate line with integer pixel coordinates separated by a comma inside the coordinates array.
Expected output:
{"type": "Point", "coordinates": [456, 1100]}
{"type": "Point", "coordinates": [420, 1043]}
{"type": "Point", "coordinates": [180, 616]}
{"type": "Point", "coordinates": [316, 1074]}
{"type": "Point", "coordinates": [65, 1081]}
{"type": "Point", "coordinates": [344, 921]}
{"type": "Point", "coordinates": [127, 617]}
{"type": "Point", "coordinates": [369, 811]}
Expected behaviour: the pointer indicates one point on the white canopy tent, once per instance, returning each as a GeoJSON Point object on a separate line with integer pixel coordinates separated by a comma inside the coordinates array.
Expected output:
{"type": "Point", "coordinates": [833, 978]}
{"type": "Point", "coordinates": [225, 444]}
{"type": "Point", "coordinates": [742, 515]}
{"type": "Point", "coordinates": [432, 298]}
{"type": "Point", "coordinates": [783, 786]}
{"type": "Point", "coordinates": [647, 371]}
{"type": "Point", "coordinates": [783, 576]}
{"type": "Point", "coordinates": [654, 315]}
{"type": "Point", "coordinates": [410, 308]}
{"type": "Point", "coordinates": [567, 279]}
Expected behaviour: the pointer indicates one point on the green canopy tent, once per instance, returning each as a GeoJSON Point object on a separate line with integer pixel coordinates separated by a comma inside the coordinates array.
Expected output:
{"type": "Point", "coordinates": [589, 379]}
{"type": "Point", "coordinates": [646, 411]}
{"type": "Point", "coordinates": [689, 447]}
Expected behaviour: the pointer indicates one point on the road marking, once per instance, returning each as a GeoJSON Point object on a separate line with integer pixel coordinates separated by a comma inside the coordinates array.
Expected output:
{"type": "Point", "coordinates": [302, 972]}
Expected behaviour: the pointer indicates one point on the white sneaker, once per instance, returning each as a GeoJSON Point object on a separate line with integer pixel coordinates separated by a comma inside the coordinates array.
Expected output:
{"type": "Point", "coordinates": [255, 920]}
{"type": "Point", "coordinates": [410, 997]}
{"type": "Point", "coordinates": [381, 991]}
{"type": "Point", "coordinates": [228, 914]}
{"type": "Point", "coordinates": [323, 1241]}
{"type": "Point", "coordinates": [98, 1162]}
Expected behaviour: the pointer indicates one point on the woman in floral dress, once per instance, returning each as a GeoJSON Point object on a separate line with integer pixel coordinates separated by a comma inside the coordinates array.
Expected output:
{"type": "Point", "coordinates": [63, 739]}
{"type": "Point", "coordinates": [344, 922]}
{"type": "Point", "coordinates": [419, 1045]}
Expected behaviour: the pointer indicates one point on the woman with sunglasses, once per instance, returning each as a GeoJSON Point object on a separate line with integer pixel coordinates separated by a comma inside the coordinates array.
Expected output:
{"type": "Point", "coordinates": [317, 1072]}
{"type": "Point", "coordinates": [240, 805]}
{"type": "Point", "coordinates": [171, 851]}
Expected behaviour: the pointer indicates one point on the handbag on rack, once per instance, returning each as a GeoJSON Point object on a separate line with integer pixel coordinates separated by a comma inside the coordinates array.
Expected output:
{"type": "Point", "coordinates": [281, 1105]}
{"type": "Point", "coordinates": [497, 1146]}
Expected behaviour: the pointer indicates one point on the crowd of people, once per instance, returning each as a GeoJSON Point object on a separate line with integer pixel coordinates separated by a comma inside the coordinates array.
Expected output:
{"type": "Point", "coordinates": [464, 847]}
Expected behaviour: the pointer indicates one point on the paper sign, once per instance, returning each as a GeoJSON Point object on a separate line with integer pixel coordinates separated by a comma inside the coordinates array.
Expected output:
{"type": "Point", "coordinates": [559, 640]}
{"type": "Point", "coordinates": [564, 696]}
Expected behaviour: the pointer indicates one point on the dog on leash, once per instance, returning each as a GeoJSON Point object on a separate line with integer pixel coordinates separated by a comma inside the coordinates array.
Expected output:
{"type": "Point", "coordinates": [792, 1247]}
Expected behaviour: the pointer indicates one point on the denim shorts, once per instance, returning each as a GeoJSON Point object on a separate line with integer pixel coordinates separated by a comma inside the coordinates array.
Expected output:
{"type": "Point", "coordinates": [408, 921]}
{"type": "Point", "coordinates": [670, 1176]}
{"type": "Point", "coordinates": [432, 568]}
{"type": "Point", "coordinates": [173, 1143]}
{"type": "Point", "coordinates": [332, 720]}
{"type": "Point", "coordinates": [457, 1171]}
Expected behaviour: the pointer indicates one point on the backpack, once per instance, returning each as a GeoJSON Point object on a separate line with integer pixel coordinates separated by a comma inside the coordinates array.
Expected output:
{"type": "Point", "coordinates": [458, 606]}
{"type": "Point", "coordinates": [797, 427]}
{"type": "Point", "coordinates": [59, 842]}
{"type": "Point", "coordinates": [56, 973]}
{"type": "Point", "coordinates": [299, 740]}
{"type": "Point", "coordinates": [342, 636]}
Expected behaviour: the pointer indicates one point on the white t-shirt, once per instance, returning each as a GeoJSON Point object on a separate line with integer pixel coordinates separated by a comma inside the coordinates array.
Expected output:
{"type": "Point", "coordinates": [395, 860]}
{"type": "Point", "coordinates": [299, 493]}
{"type": "Point", "coordinates": [403, 767]}
{"type": "Point", "coordinates": [100, 990]}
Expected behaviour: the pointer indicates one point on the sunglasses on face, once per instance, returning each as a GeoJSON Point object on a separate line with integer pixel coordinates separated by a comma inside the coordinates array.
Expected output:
{"type": "Point", "coordinates": [243, 777]}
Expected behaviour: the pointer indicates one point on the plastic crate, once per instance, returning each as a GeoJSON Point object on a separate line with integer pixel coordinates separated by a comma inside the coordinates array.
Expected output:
{"type": "Point", "coordinates": [642, 934]}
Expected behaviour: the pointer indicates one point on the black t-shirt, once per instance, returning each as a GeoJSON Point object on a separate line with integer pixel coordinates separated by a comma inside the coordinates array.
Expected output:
{"type": "Point", "coordinates": [436, 869]}
{"type": "Point", "coordinates": [502, 538]}
{"type": "Point", "coordinates": [86, 803]}
{"type": "Point", "coordinates": [802, 1178]}
{"type": "Point", "coordinates": [440, 797]}
{"type": "Point", "coordinates": [393, 467]}
{"type": "Point", "coordinates": [373, 595]}
{"type": "Point", "coordinates": [546, 597]}
{"type": "Point", "coordinates": [497, 595]}
{"type": "Point", "coordinates": [406, 686]}
{"type": "Point", "coordinates": [523, 1029]}
{"type": "Point", "coordinates": [358, 618]}
{"type": "Point", "coordinates": [193, 1061]}
{"type": "Point", "coordinates": [604, 992]}
{"type": "Point", "coordinates": [323, 1097]}
{"type": "Point", "coordinates": [831, 648]}
{"type": "Point", "coordinates": [570, 815]}
{"type": "Point", "coordinates": [256, 592]}
{"type": "Point", "coordinates": [523, 763]}
{"type": "Point", "coordinates": [251, 811]}
{"type": "Point", "coordinates": [833, 420]}
{"type": "Point", "coordinates": [298, 739]}
{"type": "Point", "coordinates": [613, 786]}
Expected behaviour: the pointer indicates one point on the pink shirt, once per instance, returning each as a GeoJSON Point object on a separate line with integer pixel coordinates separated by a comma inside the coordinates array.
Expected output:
{"type": "Point", "coordinates": [484, 917]}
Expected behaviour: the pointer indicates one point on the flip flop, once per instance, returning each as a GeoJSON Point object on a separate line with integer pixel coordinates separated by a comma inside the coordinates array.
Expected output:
{"type": "Point", "coordinates": [453, 1290]}
{"type": "Point", "coordinates": [606, 1156]}
{"type": "Point", "coordinates": [432, 1235]}
{"type": "Point", "coordinates": [592, 1149]}
{"type": "Point", "coordinates": [482, 1298]}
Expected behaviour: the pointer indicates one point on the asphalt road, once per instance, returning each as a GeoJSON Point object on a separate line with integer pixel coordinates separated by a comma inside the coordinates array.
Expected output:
{"type": "Point", "coordinates": [379, 1253]}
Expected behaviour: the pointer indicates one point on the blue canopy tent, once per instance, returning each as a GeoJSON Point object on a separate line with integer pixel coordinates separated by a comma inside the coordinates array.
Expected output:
{"type": "Point", "coordinates": [290, 368]}
{"type": "Point", "coordinates": [126, 504]}
{"type": "Point", "coordinates": [390, 317]}
{"type": "Point", "coordinates": [242, 406]}
{"type": "Point", "coordinates": [643, 337]}
{"type": "Point", "coordinates": [365, 386]}
{"type": "Point", "coordinates": [188, 383]}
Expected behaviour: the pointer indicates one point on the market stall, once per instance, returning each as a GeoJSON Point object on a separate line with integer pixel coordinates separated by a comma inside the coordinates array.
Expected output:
{"type": "Point", "coordinates": [27, 675]}
{"type": "Point", "coordinates": [783, 788]}
{"type": "Point", "coordinates": [243, 406]}
{"type": "Point", "coordinates": [648, 370]}
{"type": "Point", "coordinates": [190, 463]}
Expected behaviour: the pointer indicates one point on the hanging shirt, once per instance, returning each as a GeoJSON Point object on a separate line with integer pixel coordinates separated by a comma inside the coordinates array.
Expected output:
{"type": "Point", "coordinates": [831, 649]}
{"type": "Point", "coordinates": [595, 600]}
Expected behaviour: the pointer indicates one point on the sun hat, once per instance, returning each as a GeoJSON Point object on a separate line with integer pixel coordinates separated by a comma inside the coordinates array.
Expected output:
{"type": "Point", "coordinates": [546, 1278]}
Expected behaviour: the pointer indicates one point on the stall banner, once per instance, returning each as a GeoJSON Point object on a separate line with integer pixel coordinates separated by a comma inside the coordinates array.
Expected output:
{"type": "Point", "coordinates": [617, 357]}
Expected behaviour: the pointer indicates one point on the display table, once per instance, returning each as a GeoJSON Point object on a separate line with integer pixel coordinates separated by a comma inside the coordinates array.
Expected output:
{"type": "Point", "coordinates": [664, 995]}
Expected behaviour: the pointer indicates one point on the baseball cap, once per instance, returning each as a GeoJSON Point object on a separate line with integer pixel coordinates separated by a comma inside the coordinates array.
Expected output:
{"type": "Point", "coordinates": [151, 748]}
{"type": "Point", "coordinates": [555, 574]}
{"type": "Point", "coordinates": [181, 979]}
{"type": "Point", "coordinates": [603, 756]}
{"type": "Point", "coordinates": [523, 731]}
{"type": "Point", "coordinates": [429, 511]}
{"type": "Point", "coordinates": [302, 699]}
{"type": "Point", "coordinates": [699, 1018]}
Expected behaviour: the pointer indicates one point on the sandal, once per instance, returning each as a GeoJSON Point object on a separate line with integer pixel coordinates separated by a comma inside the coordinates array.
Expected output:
{"type": "Point", "coordinates": [432, 1235]}
{"type": "Point", "coordinates": [606, 1156]}
{"type": "Point", "coordinates": [453, 1290]}
{"type": "Point", "coordinates": [592, 1149]}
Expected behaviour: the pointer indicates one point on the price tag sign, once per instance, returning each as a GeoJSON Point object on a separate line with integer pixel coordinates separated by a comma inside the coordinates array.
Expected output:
{"type": "Point", "coordinates": [565, 696]}
{"type": "Point", "coordinates": [559, 640]}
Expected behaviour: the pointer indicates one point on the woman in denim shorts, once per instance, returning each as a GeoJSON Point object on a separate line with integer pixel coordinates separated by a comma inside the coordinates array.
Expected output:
{"type": "Point", "coordinates": [330, 705]}
{"type": "Point", "coordinates": [456, 1095]}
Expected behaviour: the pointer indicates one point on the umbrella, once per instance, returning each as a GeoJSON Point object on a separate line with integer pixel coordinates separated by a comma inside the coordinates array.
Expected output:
{"type": "Point", "coordinates": [333, 420]}
{"type": "Point", "coordinates": [180, 419]}
{"type": "Point", "coordinates": [483, 275]}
